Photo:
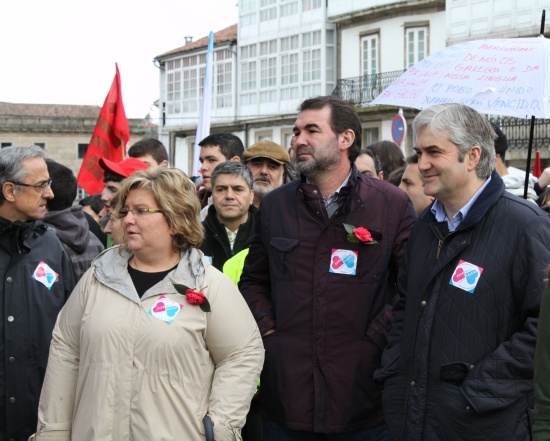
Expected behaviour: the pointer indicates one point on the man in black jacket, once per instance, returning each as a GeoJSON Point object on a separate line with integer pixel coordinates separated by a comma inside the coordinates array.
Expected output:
{"type": "Point", "coordinates": [229, 225]}
{"type": "Point", "coordinates": [37, 279]}
{"type": "Point", "coordinates": [459, 361]}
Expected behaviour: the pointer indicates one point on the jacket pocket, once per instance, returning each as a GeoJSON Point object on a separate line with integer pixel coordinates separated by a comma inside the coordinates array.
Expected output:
{"type": "Point", "coordinates": [281, 264]}
{"type": "Point", "coordinates": [454, 373]}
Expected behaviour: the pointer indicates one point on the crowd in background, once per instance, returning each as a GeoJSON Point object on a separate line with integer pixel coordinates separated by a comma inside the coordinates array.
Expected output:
{"type": "Point", "coordinates": [318, 291]}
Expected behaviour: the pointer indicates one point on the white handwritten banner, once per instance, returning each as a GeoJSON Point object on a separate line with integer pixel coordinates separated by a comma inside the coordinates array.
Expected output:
{"type": "Point", "coordinates": [498, 77]}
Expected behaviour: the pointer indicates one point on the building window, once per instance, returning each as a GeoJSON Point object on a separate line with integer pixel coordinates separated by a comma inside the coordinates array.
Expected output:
{"type": "Point", "coordinates": [370, 136]}
{"type": "Point", "coordinates": [268, 10]}
{"type": "Point", "coordinates": [289, 8]}
{"type": "Point", "coordinates": [268, 71]}
{"type": "Point", "coordinates": [369, 54]}
{"type": "Point", "coordinates": [190, 90]}
{"type": "Point", "coordinates": [82, 150]}
{"type": "Point", "coordinates": [224, 81]}
{"type": "Point", "coordinates": [5, 144]}
{"type": "Point", "coordinates": [416, 43]}
{"type": "Point", "coordinates": [312, 65]}
{"type": "Point", "coordinates": [308, 5]}
{"type": "Point", "coordinates": [248, 74]}
{"type": "Point", "coordinates": [290, 65]}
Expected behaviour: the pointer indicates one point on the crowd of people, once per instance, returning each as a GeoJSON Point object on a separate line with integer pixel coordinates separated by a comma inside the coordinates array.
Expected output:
{"type": "Point", "coordinates": [322, 292]}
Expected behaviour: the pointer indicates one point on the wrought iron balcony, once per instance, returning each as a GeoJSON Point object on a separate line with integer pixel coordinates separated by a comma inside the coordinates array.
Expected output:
{"type": "Point", "coordinates": [362, 90]}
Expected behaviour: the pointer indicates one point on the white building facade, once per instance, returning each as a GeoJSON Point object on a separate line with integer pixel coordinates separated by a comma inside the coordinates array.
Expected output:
{"type": "Point", "coordinates": [379, 40]}
{"type": "Point", "coordinates": [284, 51]}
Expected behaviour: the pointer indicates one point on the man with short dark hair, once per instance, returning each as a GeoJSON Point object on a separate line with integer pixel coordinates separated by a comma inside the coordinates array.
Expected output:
{"type": "Point", "coordinates": [215, 149]}
{"type": "Point", "coordinates": [229, 225]}
{"type": "Point", "coordinates": [317, 281]}
{"type": "Point", "coordinates": [458, 365]}
{"type": "Point", "coordinates": [368, 164]}
{"type": "Point", "coordinates": [37, 279]}
{"type": "Point", "coordinates": [151, 151]}
{"type": "Point", "coordinates": [413, 185]}
{"type": "Point", "coordinates": [68, 220]}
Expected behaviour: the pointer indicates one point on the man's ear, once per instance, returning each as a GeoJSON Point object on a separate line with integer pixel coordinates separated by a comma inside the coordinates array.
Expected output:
{"type": "Point", "coordinates": [8, 190]}
{"type": "Point", "coordinates": [473, 156]}
{"type": "Point", "coordinates": [235, 158]}
{"type": "Point", "coordinates": [346, 139]}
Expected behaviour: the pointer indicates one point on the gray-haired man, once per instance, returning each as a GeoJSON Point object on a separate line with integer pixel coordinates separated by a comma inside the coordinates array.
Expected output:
{"type": "Point", "coordinates": [37, 279]}
{"type": "Point", "coordinates": [229, 225]}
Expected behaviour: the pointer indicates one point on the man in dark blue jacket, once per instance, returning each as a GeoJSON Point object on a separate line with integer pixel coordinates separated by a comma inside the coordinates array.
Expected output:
{"type": "Point", "coordinates": [459, 361]}
{"type": "Point", "coordinates": [37, 279]}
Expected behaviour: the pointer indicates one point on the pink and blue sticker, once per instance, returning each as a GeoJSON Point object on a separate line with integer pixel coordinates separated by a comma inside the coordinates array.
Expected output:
{"type": "Point", "coordinates": [45, 275]}
{"type": "Point", "coordinates": [466, 276]}
{"type": "Point", "coordinates": [165, 309]}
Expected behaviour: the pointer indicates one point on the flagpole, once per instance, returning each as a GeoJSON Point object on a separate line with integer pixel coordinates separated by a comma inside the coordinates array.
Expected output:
{"type": "Point", "coordinates": [532, 126]}
{"type": "Point", "coordinates": [203, 126]}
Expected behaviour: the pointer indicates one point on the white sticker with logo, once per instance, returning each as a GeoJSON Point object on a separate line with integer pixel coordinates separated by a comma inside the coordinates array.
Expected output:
{"type": "Point", "coordinates": [343, 262]}
{"type": "Point", "coordinates": [466, 276]}
{"type": "Point", "coordinates": [45, 275]}
{"type": "Point", "coordinates": [165, 309]}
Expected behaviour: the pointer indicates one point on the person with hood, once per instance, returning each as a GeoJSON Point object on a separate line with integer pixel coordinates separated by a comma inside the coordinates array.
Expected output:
{"type": "Point", "coordinates": [68, 220]}
{"type": "Point", "coordinates": [37, 279]}
{"type": "Point", "coordinates": [153, 338]}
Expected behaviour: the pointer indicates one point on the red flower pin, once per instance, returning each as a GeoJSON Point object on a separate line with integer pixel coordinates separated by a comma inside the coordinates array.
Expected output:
{"type": "Point", "coordinates": [194, 297]}
{"type": "Point", "coordinates": [359, 235]}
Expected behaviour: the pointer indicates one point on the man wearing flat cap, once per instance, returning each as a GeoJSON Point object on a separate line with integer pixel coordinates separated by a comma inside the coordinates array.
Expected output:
{"type": "Point", "coordinates": [270, 167]}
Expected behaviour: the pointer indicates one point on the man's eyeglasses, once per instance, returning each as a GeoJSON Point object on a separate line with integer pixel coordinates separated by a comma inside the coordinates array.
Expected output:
{"type": "Point", "coordinates": [39, 188]}
{"type": "Point", "coordinates": [138, 212]}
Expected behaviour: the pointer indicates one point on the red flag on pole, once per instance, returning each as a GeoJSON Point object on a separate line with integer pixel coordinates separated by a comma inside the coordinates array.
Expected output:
{"type": "Point", "coordinates": [109, 140]}
{"type": "Point", "coordinates": [536, 168]}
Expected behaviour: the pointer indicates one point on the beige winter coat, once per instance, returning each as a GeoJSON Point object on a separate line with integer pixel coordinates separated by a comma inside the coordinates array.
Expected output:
{"type": "Point", "coordinates": [117, 372]}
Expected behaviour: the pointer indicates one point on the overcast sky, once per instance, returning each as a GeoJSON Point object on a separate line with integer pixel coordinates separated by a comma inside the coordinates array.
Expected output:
{"type": "Point", "coordinates": [64, 51]}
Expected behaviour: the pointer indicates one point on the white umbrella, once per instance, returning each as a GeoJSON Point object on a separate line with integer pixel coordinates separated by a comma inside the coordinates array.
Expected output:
{"type": "Point", "coordinates": [508, 76]}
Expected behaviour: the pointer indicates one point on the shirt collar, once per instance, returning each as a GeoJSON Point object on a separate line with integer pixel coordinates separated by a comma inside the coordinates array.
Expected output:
{"type": "Point", "coordinates": [334, 195]}
{"type": "Point", "coordinates": [440, 214]}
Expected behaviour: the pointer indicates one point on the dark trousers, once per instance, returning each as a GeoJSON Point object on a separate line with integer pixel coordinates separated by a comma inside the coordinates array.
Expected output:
{"type": "Point", "coordinates": [252, 430]}
{"type": "Point", "coordinates": [274, 432]}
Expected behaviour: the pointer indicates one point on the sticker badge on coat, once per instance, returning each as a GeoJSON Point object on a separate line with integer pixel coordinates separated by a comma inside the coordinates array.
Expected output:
{"type": "Point", "coordinates": [45, 275]}
{"type": "Point", "coordinates": [465, 276]}
{"type": "Point", "coordinates": [343, 262]}
{"type": "Point", "coordinates": [165, 309]}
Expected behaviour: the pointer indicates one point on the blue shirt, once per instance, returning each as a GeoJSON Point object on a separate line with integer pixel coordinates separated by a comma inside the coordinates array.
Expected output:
{"type": "Point", "coordinates": [439, 210]}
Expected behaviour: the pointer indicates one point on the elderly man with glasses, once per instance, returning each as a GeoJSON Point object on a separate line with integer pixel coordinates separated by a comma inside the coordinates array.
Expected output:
{"type": "Point", "coordinates": [37, 279]}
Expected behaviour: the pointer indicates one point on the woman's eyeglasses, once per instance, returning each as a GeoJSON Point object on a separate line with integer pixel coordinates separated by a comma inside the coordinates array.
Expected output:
{"type": "Point", "coordinates": [138, 212]}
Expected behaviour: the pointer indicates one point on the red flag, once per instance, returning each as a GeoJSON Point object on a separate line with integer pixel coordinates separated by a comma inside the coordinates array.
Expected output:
{"type": "Point", "coordinates": [536, 168]}
{"type": "Point", "coordinates": [109, 140]}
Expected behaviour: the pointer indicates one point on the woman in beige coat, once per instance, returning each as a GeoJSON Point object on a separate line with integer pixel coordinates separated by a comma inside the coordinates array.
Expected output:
{"type": "Point", "coordinates": [135, 354]}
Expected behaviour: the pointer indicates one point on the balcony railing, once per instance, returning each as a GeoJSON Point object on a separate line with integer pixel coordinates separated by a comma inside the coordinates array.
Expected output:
{"type": "Point", "coordinates": [362, 90]}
